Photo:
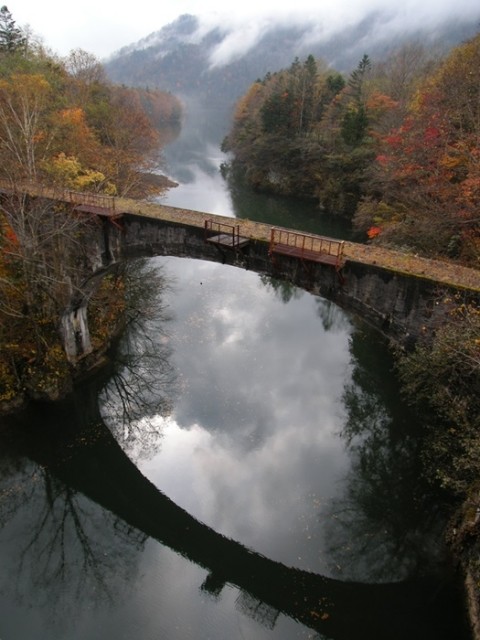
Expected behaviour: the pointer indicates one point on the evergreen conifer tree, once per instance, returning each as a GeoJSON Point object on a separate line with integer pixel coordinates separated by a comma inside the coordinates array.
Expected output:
{"type": "Point", "coordinates": [12, 38]}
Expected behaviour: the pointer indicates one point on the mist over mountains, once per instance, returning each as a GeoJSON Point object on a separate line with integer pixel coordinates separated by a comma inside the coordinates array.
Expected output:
{"type": "Point", "coordinates": [210, 66]}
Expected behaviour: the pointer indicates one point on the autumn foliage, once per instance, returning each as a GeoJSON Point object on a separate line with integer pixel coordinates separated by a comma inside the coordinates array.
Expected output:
{"type": "Point", "coordinates": [426, 176]}
{"type": "Point", "coordinates": [394, 145]}
{"type": "Point", "coordinates": [62, 125]}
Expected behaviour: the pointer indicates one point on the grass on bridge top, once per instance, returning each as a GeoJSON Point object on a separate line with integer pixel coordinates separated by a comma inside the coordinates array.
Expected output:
{"type": "Point", "coordinates": [441, 271]}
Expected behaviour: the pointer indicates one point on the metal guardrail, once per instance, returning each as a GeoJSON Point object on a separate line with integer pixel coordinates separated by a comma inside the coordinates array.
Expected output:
{"type": "Point", "coordinates": [306, 246]}
{"type": "Point", "coordinates": [227, 234]}
{"type": "Point", "coordinates": [99, 200]}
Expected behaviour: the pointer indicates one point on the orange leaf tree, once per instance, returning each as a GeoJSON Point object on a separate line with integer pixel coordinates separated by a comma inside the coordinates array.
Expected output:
{"type": "Point", "coordinates": [60, 124]}
{"type": "Point", "coordinates": [427, 173]}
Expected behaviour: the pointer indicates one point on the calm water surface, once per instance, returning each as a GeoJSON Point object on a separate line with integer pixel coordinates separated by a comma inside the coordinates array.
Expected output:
{"type": "Point", "coordinates": [202, 188]}
{"type": "Point", "coordinates": [266, 448]}
{"type": "Point", "coordinates": [245, 469]}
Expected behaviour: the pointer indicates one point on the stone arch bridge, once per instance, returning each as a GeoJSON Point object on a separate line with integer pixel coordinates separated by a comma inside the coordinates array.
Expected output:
{"type": "Point", "coordinates": [401, 295]}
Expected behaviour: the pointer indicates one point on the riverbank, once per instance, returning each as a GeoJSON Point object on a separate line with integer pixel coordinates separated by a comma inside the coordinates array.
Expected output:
{"type": "Point", "coordinates": [463, 538]}
{"type": "Point", "coordinates": [28, 373]}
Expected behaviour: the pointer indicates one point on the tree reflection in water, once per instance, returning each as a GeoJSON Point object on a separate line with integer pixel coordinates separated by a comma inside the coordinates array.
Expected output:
{"type": "Point", "coordinates": [330, 314]}
{"type": "Point", "coordinates": [387, 523]}
{"type": "Point", "coordinates": [70, 541]}
{"type": "Point", "coordinates": [72, 545]}
{"type": "Point", "coordinates": [284, 290]}
{"type": "Point", "coordinates": [88, 560]}
{"type": "Point", "coordinates": [142, 380]}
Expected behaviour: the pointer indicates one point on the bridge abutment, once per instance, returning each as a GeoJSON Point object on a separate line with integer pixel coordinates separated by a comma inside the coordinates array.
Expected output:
{"type": "Point", "coordinates": [76, 333]}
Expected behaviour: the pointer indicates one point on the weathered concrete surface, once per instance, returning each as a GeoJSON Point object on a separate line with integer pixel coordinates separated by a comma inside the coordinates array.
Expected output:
{"type": "Point", "coordinates": [449, 273]}
{"type": "Point", "coordinates": [400, 305]}
{"type": "Point", "coordinates": [76, 335]}
{"type": "Point", "coordinates": [102, 249]}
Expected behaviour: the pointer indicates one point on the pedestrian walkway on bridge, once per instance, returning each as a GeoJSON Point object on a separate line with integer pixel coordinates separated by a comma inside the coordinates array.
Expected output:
{"type": "Point", "coordinates": [440, 271]}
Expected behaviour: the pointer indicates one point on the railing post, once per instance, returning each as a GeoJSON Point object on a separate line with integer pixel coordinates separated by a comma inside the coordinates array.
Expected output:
{"type": "Point", "coordinates": [272, 239]}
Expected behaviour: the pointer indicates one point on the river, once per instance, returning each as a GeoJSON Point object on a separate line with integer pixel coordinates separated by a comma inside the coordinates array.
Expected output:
{"type": "Point", "coordinates": [195, 162]}
{"type": "Point", "coordinates": [276, 489]}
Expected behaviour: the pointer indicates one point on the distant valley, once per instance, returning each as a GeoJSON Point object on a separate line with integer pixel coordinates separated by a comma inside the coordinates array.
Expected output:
{"type": "Point", "coordinates": [186, 60]}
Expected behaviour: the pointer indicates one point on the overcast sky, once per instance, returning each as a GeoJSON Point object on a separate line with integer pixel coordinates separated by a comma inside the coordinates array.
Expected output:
{"type": "Point", "coordinates": [104, 26]}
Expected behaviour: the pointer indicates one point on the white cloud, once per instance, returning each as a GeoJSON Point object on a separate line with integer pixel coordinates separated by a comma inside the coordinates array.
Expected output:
{"type": "Point", "coordinates": [104, 27]}
{"type": "Point", "coordinates": [238, 41]}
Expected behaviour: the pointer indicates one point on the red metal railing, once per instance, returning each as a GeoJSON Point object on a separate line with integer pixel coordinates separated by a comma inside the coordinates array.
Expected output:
{"type": "Point", "coordinates": [214, 228]}
{"type": "Point", "coordinates": [306, 246]}
{"type": "Point", "coordinates": [99, 200]}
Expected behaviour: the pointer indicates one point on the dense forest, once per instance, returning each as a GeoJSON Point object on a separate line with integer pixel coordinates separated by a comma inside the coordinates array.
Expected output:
{"type": "Point", "coordinates": [393, 146]}
{"type": "Point", "coordinates": [64, 126]}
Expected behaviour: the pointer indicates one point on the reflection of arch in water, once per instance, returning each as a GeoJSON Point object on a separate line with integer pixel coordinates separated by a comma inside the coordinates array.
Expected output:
{"type": "Point", "coordinates": [344, 610]}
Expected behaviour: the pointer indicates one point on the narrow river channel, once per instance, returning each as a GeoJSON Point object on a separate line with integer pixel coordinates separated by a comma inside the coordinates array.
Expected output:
{"type": "Point", "coordinates": [271, 487]}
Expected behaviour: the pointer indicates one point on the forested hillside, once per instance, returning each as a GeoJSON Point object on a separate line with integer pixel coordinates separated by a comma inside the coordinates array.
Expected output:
{"type": "Point", "coordinates": [62, 125]}
{"type": "Point", "coordinates": [62, 122]}
{"type": "Point", "coordinates": [393, 145]}
{"type": "Point", "coordinates": [197, 62]}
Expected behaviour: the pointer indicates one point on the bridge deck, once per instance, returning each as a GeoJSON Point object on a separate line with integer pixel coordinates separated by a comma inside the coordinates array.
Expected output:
{"type": "Point", "coordinates": [99, 211]}
{"type": "Point", "coordinates": [439, 271]}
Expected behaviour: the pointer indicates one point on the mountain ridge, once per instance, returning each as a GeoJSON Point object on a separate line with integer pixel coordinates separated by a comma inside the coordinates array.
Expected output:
{"type": "Point", "coordinates": [185, 57]}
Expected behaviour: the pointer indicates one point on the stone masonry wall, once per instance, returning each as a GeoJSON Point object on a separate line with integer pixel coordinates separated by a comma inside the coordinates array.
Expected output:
{"type": "Point", "coordinates": [401, 306]}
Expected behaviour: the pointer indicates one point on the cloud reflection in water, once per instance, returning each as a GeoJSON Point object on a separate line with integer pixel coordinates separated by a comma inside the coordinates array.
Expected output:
{"type": "Point", "coordinates": [252, 445]}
